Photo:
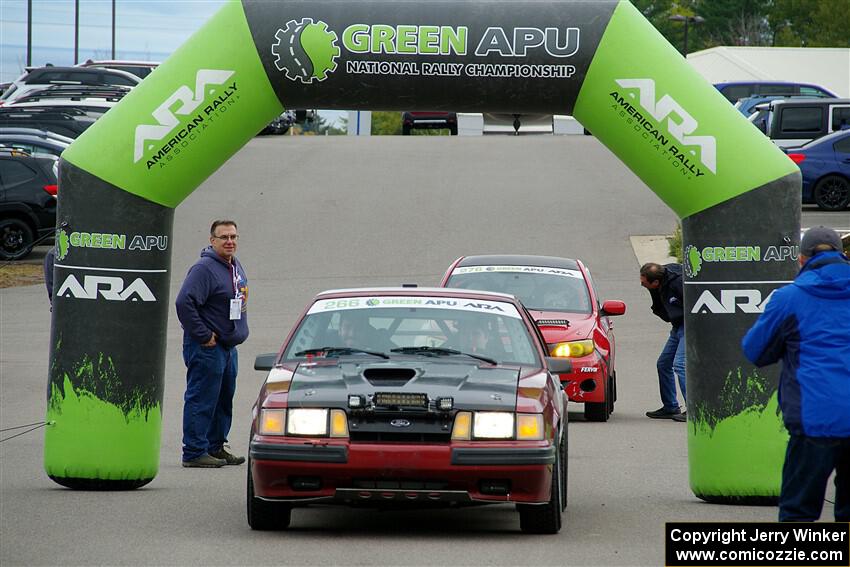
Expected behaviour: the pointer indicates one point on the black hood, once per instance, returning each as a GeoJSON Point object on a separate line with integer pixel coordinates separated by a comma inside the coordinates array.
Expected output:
{"type": "Point", "coordinates": [472, 387]}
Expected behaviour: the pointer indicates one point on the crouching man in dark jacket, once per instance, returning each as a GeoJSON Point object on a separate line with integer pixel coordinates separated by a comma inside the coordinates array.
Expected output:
{"type": "Point", "coordinates": [213, 308]}
{"type": "Point", "coordinates": [665, 288]}
{"type": "Point", "coordinates": [806, 325]}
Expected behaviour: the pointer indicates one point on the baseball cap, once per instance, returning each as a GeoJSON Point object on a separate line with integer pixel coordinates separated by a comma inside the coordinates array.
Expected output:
{"type": "Point", "coordinates": [816, 236]}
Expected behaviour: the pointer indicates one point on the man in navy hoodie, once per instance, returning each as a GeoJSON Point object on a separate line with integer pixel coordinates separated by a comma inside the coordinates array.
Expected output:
{"type": "Point", "coordinates": [665, 288]}
{"type": "Point", "coordinates": [806, 325]}
{"type": "Point", "coordinates": [213, 308]}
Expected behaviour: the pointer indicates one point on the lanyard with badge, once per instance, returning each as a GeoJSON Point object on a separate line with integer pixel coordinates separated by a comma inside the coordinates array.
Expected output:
{"type": "Point", "coordinates": [236, 302]}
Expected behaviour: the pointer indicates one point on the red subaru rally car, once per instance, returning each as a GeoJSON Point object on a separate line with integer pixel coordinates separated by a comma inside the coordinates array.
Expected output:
{"type": "Point", "coordinates": [410, 397]}
{"type": "Point", "coordinates": [560, 295]}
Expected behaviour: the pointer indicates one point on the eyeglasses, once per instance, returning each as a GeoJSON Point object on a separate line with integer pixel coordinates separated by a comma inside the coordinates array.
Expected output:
{"type": "Point", "coordinates": [233, 237]}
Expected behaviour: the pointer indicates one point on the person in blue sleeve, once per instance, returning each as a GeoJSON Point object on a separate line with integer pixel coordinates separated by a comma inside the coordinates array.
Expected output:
{"type": "Point", "coordinates": [665, 288]}
{"type": "Point", "coordinates": [806, 325]}
{"type": "Point", "coordinates": [213, 309]}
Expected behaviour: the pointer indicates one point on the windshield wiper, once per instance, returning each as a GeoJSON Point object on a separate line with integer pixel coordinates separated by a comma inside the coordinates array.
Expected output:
{"type": "Point", "coordinates": [332, 351]}
{"type": "Point", "coordinates": [439, 351]}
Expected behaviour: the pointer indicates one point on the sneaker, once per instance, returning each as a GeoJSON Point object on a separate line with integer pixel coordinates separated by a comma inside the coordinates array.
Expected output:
{"type": "Point", "coordinates": [680, 417]}
{"type": "Point", "coordinates": [205, 461]}
{"type": "Point", "coordinates": [227, 457]}
{"type": "Point", "coordinates": [663, 413]}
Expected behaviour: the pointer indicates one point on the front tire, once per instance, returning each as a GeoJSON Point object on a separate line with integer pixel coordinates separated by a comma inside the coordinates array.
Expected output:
{"type": "Point", "coordinates": [547, 518]}
{"type": "Point", "coordinates": [832, 193]}
{"type": "Point", "coordinates": [263, 515]}
{"type": "Point", "coordinates": [16, 239]}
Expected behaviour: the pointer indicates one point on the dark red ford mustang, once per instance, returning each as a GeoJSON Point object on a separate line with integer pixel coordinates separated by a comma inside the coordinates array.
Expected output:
{"type": "Point", "coordinates": [560, 295]}
{"type": "Point", "coordinates": [410, 397]}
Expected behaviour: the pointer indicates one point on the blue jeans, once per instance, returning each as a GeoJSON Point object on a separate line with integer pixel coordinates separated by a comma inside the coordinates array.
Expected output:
{"type": "Point", "coordinates": [808, 463]}
{"type": "Point", "coordinates": [672, 358]}
{"type": "Point", "coordinates": [208, 402]}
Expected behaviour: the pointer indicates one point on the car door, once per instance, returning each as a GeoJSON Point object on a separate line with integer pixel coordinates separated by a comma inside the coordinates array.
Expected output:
{"type": "Point", "coordinates": [796, 124]}
{"type": "Point", "coordinates": [839, 115]}
{"type": "Point", "coordinates": [17, 178]}
{"type": "Point", "coordinates": [842, 155]}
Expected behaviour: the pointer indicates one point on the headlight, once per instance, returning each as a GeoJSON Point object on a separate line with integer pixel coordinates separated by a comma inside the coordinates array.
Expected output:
{"type": "Point", "coordinates": [271, 421]}
{"type": "Point", "coordinates": [529, 427]}
{"type": "Point", "coordinates": [462, 427]}
{"type": "Point", "coordinates": [493, 425]}
{"type": "Point", "coordinates": [339, 423]}
{"type": "Point", "coordinates": [573, 349]}
{"type": "Point", "coordinates": [307, 422]}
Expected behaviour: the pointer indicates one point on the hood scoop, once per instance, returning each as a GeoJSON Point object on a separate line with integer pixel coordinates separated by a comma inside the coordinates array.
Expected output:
{"type": "Point", "coordinates": [562, 322]}
{"type": "Point", "coordinates": [389, 376]}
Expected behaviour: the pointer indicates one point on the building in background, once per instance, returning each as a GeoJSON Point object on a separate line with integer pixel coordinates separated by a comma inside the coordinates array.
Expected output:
{"type": "Point", "coordinates": [825, 66]}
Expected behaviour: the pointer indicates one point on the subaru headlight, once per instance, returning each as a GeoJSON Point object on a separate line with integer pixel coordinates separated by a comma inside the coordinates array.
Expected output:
{"type": "Point", "coordinates": [573, 349]}
{"type": "Point", "coordinates": [493, 425]}
{"type": "Point", "coordinates": [302, 421]}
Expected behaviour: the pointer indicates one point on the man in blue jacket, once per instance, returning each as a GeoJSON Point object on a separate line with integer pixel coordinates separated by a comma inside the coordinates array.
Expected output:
{"type": "Point", "coordinates": [665, 288]}
{"type": "Point", "coordinates": [807, 326]}
{"type": "Point", "coordinates": [213, 308]}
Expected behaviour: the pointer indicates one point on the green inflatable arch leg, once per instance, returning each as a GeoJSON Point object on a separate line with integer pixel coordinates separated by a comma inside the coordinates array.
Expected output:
{"type": "Point", "coordinates": [601, 61]}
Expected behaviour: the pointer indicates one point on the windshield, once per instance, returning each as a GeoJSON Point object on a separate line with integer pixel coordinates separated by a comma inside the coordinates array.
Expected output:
{"type": "Point", "coordinates": [414, 326]}
{"type": "Point", "coordinates": [539, 288]}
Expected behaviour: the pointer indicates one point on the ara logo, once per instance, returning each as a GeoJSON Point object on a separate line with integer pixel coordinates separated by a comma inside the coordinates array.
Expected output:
{"type": "Point", "coordinates": [681, 127]}
{"type": "Point", "coordinates": [110, 288]}
{"type": "Point", "coordinates": [166, 116]}
{"type": "Point", "coordinates": [305, 50]}
{"type": "Point", "coordinates": [731, 300]}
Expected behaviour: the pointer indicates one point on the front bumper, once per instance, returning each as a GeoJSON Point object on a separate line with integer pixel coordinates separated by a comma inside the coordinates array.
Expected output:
{"type": "Point", "coordinates": [337, 471]}
{"type": "Point", "coordinates": [586, 383]}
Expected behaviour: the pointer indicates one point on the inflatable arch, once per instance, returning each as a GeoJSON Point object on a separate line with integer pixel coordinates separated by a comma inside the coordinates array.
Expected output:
{"type": "Point", "coordinates": [600, 61]}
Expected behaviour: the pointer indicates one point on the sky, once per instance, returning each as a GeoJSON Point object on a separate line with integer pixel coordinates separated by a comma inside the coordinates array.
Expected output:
{"type": "Point", "coordinates": [146, 30]}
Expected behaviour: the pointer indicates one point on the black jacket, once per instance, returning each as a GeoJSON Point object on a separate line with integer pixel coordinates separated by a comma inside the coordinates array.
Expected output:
{"type": "Point", "coordinates": [668, 301]}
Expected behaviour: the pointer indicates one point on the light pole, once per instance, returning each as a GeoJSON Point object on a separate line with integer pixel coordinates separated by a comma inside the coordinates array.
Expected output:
{"type": "Point", "coordinates": [76, 31]}
{"type": "Point", "coordinates": [29, 33]}
{"type": "Point", "coordinates": [113, 30]}
{"type": "Point", "coordinates": [687, 20]}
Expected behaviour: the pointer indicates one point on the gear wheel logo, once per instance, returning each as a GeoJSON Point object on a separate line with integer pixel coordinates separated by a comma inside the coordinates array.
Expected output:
{"type": "Point", "coordinates": [305, 50]}
{"type": "Point", "coordinates": [62, 242]}
{"type": "Point", "coordinates": [693, 261]}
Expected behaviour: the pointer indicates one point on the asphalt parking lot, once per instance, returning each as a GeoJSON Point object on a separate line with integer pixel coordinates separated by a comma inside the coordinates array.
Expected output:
{"type": "Point", "coordinates": [322, 213]}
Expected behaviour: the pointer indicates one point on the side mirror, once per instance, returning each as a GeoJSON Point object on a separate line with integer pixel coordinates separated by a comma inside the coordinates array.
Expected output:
{"type": "Point", "coordinates": [559, 365]}
{"type": "Point", "coordinates": [613, 307]}
{"type": "Point", "coordinates": [265, 361]}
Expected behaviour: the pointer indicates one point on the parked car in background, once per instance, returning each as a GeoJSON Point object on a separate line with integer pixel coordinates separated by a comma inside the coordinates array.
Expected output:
{"type": "Point", "coordinates": [429, 120]}
{"type": "Point", "coordinates": [47, 76]}
{"type": "Point", "coordinates": [825, 165]}
{"type": "Point", "coordinates": [410, 397]}
{"type": "Point", "coordinates": [67, 110]}
{"type": "Point", "coordinates": [560, 295]}
{"type": "Point", "coordinates": [790, 123]}
{"type": "Point", "coordinates": [747, 106]}
{"type": "Point", "coordinates": [28, 186]}
{"type": "Point", "coordinates": [280, 125]}
{"type": "Point", "coordinates": [66, 120]}
{"type": "Point", "coordinates": [139, 68]}
{"type": "Point", "coordinates": [34, 141]}
{"type": "Point", "coordinates": [736, 90]}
